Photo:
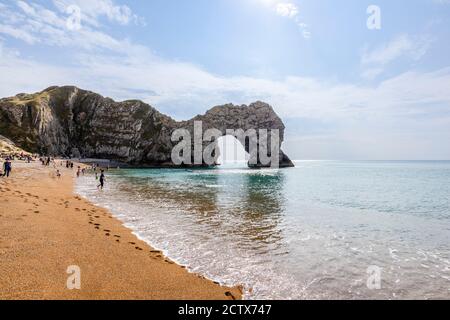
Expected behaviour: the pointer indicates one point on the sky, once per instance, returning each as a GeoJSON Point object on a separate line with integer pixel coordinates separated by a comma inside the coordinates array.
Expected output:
{"type": "Point", "coordinates": [349, 82]}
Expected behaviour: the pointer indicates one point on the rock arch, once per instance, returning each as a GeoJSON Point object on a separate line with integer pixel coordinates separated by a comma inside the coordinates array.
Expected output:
{"type": "Point", "coordinates": [256, 116]}
{"type": "Point", "coordinates": [58, 120]}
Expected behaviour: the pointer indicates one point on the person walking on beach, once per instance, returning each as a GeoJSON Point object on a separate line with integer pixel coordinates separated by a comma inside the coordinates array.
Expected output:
{"type": "Point", "coordinates": [102, 180]}
{"type": "Point", "coordinates": [7, 168]}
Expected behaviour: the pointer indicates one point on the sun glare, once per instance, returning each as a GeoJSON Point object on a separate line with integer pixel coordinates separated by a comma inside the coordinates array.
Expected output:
{"type": "Point", "coordinates": [268, 2]}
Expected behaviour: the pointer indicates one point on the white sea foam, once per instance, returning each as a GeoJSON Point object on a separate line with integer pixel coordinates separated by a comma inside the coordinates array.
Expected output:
{"type": "Point", "coordinates": [282, 235]}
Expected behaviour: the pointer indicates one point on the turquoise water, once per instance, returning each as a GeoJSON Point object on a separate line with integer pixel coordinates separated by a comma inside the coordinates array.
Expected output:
{"type": "Point", "coordinates": [309, 232]}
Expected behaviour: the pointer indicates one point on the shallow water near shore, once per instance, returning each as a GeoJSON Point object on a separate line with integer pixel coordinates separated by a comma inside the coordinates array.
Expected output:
{"type": "Point", "coordinates": [309, 232]}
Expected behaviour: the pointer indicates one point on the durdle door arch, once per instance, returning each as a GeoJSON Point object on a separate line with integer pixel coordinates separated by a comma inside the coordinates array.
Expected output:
{"type": "Point", "coordinates": [58, 120]}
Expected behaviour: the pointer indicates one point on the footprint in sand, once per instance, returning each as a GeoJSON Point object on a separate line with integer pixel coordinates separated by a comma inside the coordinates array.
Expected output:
{"type": "Point", "coordinates": [37, 212]}
{"type": "Point", "coordinates": [107, 234]}
{"type": "Point", "coordinates": [77, 209]}
{"type": "Point", "coordinates": [118, 241]}
{"type": "Point", "coordinates": [117, 236]}
{"type": "Point", "coordinates": [230, 295]}
{"type": "Point", "coordinates": [132, 243]}
{"type": "Point", "coordinates": [138, 248]}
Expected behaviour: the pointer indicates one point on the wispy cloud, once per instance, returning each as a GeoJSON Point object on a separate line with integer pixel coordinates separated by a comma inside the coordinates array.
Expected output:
{"type": "Point", "coordinates": [289, 10]}
{"type": "Point", "coordinates": [374, 60]}
{"type": "Point", "coordinates": [121, 64]}
{"type": "Point", "coordinates": [403, 45]}
{"type": "Point", "coordinates": [92, 10]}
{"type": "Point", "coordinates": [34, 23]}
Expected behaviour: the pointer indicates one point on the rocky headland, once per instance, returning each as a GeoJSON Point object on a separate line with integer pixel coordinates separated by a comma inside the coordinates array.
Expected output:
{"type": "Point", "coordinates": [71, 122]}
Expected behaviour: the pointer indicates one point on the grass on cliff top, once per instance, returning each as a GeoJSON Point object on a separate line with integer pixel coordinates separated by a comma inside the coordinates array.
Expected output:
{"type": "Point", "coordinates": [23, 99]}
{"type": "Point", "coordinates": [8, 148]}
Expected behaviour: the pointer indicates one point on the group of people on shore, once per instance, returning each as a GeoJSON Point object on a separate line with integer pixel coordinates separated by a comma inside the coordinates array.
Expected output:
{"type": "Point", "coordinates": [48, 161]}
{"type": "Point", "coordinates": [18, 156]}
{"type": "Point", "coordinates": [6, 166]}
{"type": "Point", "coordinates": [69, 164]}
{"type": "Point", "coordinates": [81, 171]}
{"type": "Point", "coordinates": [101, 178]}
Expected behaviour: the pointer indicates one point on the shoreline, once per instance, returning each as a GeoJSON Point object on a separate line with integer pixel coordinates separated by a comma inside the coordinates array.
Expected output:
{"type": "Point", "coordinates": [45, 228]}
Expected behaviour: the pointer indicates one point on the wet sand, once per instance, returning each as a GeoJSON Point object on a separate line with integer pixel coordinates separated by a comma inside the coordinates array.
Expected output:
{"type": "Point", "coordinates": [45, 228]}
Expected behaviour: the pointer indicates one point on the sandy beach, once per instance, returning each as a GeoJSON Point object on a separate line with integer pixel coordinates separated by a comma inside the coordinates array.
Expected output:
{"type": "Point", "coordinates": [45, 228]}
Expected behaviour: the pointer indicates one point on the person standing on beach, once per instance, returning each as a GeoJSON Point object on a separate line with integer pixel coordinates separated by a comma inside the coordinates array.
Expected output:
{"type": "Point", "coordinates": [102, 180]}
{"type": "Point", "coordinates": [7, 168]}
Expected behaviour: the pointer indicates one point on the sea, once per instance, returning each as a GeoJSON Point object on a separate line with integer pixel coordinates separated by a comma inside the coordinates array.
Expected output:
{"type": "Point", "coordinates": [322, 230]}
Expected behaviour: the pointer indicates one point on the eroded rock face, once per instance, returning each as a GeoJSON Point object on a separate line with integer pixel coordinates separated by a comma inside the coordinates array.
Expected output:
{"type": "Point", "coordinates": [7, 147]}
{"type": "Point", "coordinates": [64, 121]}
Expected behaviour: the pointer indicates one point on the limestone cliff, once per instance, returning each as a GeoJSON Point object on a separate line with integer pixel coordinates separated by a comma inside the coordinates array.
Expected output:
{"type": "Point", "coordinates": [68, 121]}
{"type": "Point", "coordinates": [7, 148]}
